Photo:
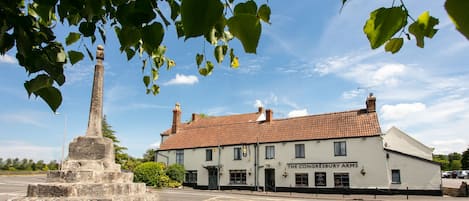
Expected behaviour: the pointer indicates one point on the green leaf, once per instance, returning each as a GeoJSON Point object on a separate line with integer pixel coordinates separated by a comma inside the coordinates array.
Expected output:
{"type": "Point", "coordinates": [458, 13]}
{"type": "Point", "coordinates": [152, 35]}
{"type": "Point", "coordinates": [128, 36]}
{"type": "Point", "coordinates": [61, 56]}
{"type": "Point", "coordinates": [383, 24]}
{"type": "Point", "coordinates": [220, 52]}
{"type": "Point", "coordinates": [37, 83]}
{"type": "Point", "coordinates": [423, 27]}
{"type": "Point", "coordinates": [247, 29]}
{"type": "Point", "coordinates": [103, 34]}
{"type": "Point", "coordinates": [175, 8]}
{"type": "Point", "coordinates": [169, 64]}
{"type": "Point", "coordinates": [51, 96]}
{"type": "Point", "coordinates": [198, 16]}
{"type": "Point", "coordinates": [154, 73]}
{"type": "Point", "coordinates": [146, 80]}
{"type": "Point", "coordinates": [264, 13]}
{"type": "Point", "coordinates": [135, 13]}
{"type": "Point", "coordinates": [234, 62]}
{"type": "Point", "coordinates": [90, 55]}
{"type": "Point", "coordinates": [394, 45]}
{"type": "Point", "coordinates": [75, 56]}
{"type": "Point", "coordinates": [207, 70]}
{"type": "Point", "coordinates": [199, 58]}
{"type": "Point", "coordinates": [179, 29]}
{"type": "Point", "coordinates": [155, 89]}
{"type": "Point", "coordinates": [72, 38]}
{"type": "Point", "coordinates": [87, 28]}
{"type": "Point", "coordinates": [130, 53]}
{"type": "Point", "coordinates": [249, 7]}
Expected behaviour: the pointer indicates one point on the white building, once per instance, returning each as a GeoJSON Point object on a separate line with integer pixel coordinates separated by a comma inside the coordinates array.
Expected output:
{"type": "Point", "coordinates": [342, 152]}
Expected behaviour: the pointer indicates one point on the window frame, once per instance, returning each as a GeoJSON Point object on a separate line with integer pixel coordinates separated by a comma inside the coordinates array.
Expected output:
{"type": "Point", "coordinates": [300, 151]}
{"type": "Point", "coordinates": [301, 180]}
{"type": "Point", "coordinates": [238, 155]}
{"type": "Point", "coordinates": [316, 175]}
{"type": "Point", "coordinates": [340, 150]}
{"type": "Point", "coordinates": [270, 149]}
{"type": "Point", "coordinates": [208, 152]}
{"type": "Point", "coordinates": [238, 176]}
{"type": "Point", "coordinates": [344, 177]}
{"type": "Point", "coordinates": [180, 156]}
{"type": "Point", "coordinates": [190, 176]}
{"type": "Point", "coordinates": [398, 171]}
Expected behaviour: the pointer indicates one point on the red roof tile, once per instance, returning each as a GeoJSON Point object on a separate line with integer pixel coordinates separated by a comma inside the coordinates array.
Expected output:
{"type": "Point", "coordinates": [243, 129]}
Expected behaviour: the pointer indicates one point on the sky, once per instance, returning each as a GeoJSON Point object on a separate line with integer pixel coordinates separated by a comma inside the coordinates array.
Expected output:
{"type": "Point", "coordinates": [314, 58]}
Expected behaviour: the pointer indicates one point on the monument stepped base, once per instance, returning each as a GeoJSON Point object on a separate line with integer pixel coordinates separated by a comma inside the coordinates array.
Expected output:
{"type": "Point", "coordinates": [89, 174]}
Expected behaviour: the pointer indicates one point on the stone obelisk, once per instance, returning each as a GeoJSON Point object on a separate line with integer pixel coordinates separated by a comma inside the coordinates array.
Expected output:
{"type": "Point", "coordinates": [90, 173]}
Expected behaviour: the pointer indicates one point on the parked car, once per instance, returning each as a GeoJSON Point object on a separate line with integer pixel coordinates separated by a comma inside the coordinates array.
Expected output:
{"type": "Point", "coordinates": [463, 174]}
{"type": "Point", "coordinates": [446, 174]}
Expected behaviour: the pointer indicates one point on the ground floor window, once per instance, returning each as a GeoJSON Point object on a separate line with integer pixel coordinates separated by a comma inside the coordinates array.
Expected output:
{"type": "Point", "coordinates": [341, 180]}
{"type": "Point", "coordinates": [191, 177]}
{"type": "Point", "coordinates": [237, 176]}
{"type": "Point", "coordinates": [301, 179]}
{"type": "Point", "coordinates": [396, 176]}
{"type": "Point", "coordinates": [320, 179]}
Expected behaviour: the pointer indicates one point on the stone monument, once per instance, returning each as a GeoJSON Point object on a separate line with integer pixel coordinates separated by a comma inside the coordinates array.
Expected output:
{"type": "Point", "coordinates": [90, 173]}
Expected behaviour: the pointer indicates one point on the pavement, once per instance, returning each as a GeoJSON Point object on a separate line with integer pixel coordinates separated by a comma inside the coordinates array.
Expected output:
{"type": "Point", "coordinates": [327, 196]}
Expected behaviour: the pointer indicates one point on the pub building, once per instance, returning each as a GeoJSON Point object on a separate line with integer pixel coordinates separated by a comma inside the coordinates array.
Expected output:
{"type": "Point", "coordinates": [339, 152]}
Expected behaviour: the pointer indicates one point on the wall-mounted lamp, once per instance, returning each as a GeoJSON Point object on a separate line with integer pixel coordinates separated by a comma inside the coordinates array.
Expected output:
{"type": "Point", "coordinates": [285, 174]}
{"type": "Point", "coordinates": [362, 171]}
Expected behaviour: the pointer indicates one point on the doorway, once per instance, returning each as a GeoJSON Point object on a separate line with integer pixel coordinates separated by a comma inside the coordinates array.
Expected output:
{"type": "Point", "coordinates": [212, 179]}
{"type": "Point", "coordinates": [269, 180]}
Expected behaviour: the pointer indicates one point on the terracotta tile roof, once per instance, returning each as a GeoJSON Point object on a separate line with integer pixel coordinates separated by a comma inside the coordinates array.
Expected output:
{"type": "Point", "coordinates": [243, 129]}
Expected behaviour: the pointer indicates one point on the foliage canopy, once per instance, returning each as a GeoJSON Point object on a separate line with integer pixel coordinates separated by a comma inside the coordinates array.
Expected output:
{"type": "Point", "coordinates": [140, 27]}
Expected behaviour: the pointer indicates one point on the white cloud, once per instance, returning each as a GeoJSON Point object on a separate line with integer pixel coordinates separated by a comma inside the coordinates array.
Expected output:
{"type": "Point", "coordinates": [20, 149]}
{"type": "Point", "coordinates": [258, 103]}
{"type": "Point", "coordinates": [392, 112]}
{"type": "Point", "coordinates": [181, 79]}
{"type": "Point", "coordinates": [298, 113]}
{"type": "Point", "coordinates": [7, 59]}
{"type": "Point", "coordinates": [449, 145]}
{"type": "Point", "coordinates": [155, 145]}
{"type": "Point", "coordinates": [79, 73]}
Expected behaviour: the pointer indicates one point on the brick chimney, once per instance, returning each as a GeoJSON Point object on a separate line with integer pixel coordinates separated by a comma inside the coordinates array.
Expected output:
{"type": "Point", "coordinates": [370, 103]}
{"type": "Point", "coordinates": [176, 118]}
{"type": "Point", "coordinates": [269, 115]}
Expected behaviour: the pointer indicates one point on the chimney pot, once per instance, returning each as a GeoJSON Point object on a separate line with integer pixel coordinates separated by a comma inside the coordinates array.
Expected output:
{"type": "Point", "coordinates": [269, 115]}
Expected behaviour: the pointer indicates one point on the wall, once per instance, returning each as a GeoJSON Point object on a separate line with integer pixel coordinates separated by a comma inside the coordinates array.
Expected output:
{"type": "Point", "coordinates": [415, 173]}
{"type": "Point", "coordinates": [366, 151]}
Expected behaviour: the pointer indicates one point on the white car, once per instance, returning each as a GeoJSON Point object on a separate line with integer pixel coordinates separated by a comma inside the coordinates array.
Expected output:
{"type": "Point", "coordinates": [463, 174]}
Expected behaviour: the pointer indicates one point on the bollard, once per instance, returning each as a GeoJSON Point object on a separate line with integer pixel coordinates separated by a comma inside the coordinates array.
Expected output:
{"type": "Point", "coordinates": [376, 192]}
{"type": "Point", "coordinates": [407, 192]}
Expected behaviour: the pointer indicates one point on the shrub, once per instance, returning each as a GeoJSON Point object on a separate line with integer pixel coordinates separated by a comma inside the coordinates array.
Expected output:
{"type": "Point", "coordinates": [176, 172]}
{"type": "Point", "coordinates": [151, 173]}
{"type": "Point", "coordinates": [174, 184]}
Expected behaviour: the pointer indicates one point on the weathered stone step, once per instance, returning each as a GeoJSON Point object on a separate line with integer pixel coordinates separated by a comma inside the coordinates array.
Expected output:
{"type": "Point", "coordinates": [85, 189]}
{"type": "Point", "coordinates": [143, 197]}
{"type": "Point", "coordinates": [88, 177]}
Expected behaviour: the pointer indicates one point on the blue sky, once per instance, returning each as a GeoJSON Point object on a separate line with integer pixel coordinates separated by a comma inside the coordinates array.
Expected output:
{"type": "Point", "coordinates": [312, 59]}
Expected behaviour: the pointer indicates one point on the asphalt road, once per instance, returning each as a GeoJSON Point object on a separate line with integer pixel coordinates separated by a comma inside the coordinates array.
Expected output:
{"type": "Point", "coordinates": [15, 186]}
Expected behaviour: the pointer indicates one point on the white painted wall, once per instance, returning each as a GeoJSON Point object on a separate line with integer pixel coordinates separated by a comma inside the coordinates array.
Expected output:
{"type": "Point", "coordinates": [367, 151]}
{"type": "Point", "coordinates": [415, 173]}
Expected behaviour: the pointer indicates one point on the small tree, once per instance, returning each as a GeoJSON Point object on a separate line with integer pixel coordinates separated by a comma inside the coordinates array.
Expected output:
{"type": "Point", "coordinates": [465, 160]}
{"type": "Point", "coordinates": [149, 155]}
{"type": "Point", "coordinates": [176, 172]}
